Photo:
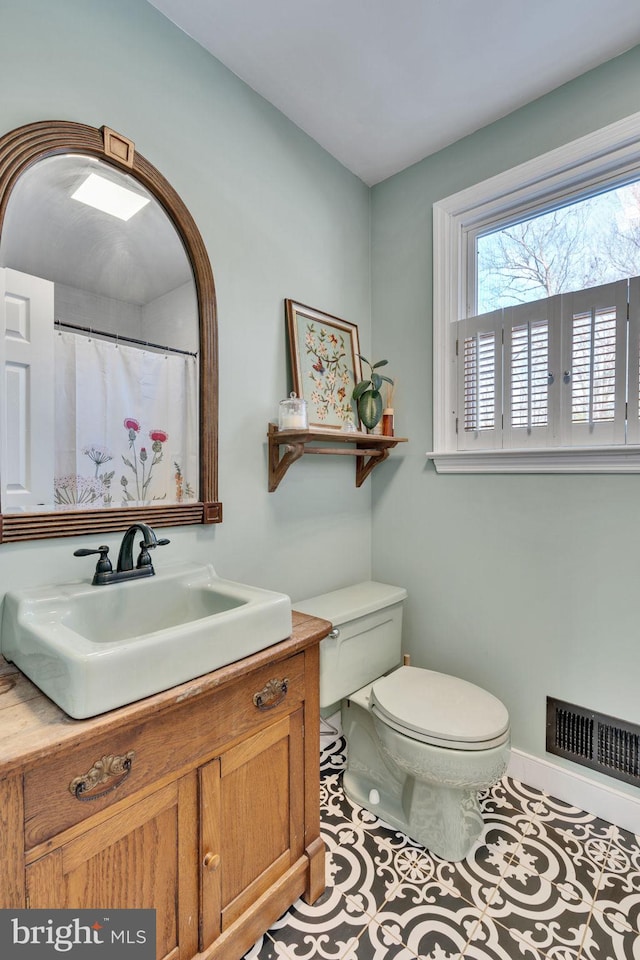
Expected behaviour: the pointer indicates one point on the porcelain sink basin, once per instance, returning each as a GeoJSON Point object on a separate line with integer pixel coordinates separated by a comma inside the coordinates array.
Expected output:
{"type": "Point", "coordinates": [93, 648]}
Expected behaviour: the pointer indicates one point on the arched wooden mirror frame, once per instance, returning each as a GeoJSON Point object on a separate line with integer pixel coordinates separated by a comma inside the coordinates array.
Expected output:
{"type": "Point", "coordinates": [19, 150]}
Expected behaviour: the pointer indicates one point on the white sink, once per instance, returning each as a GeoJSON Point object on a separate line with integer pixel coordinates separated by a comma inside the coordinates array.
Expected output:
{"type": "Point", "coordinates": [93, 648]}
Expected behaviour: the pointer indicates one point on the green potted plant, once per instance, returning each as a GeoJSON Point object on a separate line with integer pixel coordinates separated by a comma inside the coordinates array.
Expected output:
{"type": "Point", "coordinates": [366, 394]}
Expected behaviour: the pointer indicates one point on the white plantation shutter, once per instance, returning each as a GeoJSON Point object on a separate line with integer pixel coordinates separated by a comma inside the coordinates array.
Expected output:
{"type": "Point", "coordinates": [559, 372]}
{"type": "Point", "coordinates": [531, 361]}
{"type": "Point", "coordinates": [480, 381]}
{"type": "Point", "coordinates": [594, 365]}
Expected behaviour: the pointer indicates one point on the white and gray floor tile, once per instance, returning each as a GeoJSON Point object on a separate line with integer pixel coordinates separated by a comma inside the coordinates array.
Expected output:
{"type": "Point", "coordinates": [545, 881]}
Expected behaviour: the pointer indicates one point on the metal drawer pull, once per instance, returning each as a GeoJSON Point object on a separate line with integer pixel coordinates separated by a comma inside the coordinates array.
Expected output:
{"type": "Point", "coordinates": [101, 772]}
{"type": "Point", "coordinates": [211, 861]}
{"type": "Point", "coordinates": [273, 693]}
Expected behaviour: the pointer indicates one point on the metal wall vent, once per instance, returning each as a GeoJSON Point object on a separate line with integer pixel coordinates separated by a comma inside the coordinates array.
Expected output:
{"type": "Point", "coordinates": [594, 740]}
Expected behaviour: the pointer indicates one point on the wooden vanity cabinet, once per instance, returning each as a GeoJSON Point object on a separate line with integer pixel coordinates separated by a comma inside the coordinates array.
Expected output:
{"type": "Point", "coordinates": [214, 821]}
{"type": "Point", "coordinates": [130, 860]}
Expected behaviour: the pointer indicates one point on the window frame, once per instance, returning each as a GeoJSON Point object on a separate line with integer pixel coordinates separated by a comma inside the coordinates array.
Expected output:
{"type": "Point", "coordinates": [604, 158]}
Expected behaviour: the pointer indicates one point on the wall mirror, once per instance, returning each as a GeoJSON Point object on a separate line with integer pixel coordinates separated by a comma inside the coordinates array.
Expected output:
{"type": "Point", "coordinates": [108, 345]}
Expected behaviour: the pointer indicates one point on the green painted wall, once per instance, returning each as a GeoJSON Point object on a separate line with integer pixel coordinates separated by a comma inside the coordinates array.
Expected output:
{"type": "Point", "coordinates": [279, 217]}
{"type": "Point", "coordinates": [527, 585]}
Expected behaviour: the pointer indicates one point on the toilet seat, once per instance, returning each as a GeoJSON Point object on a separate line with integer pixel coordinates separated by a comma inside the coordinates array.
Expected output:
{"type": "Point", "coordinates": [438, 709]}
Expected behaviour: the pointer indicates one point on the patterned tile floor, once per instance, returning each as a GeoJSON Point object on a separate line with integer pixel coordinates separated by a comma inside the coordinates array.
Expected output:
{"type": "Point", "coordinates": [546, 881]}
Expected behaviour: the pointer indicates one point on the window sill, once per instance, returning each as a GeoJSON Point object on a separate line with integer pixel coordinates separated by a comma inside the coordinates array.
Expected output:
{"type": "Point", "coordinates": [620, 459]}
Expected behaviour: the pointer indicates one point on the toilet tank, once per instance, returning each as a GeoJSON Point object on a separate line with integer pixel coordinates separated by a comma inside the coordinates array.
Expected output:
{"type": "Point", "coordinates": [366, 640]}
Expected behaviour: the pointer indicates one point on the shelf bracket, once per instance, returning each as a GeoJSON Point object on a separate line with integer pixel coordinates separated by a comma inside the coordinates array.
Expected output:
{"type": "Point", "coordinates": [279, 462]}
{"type": "Point", "coordinates": [364, 466]}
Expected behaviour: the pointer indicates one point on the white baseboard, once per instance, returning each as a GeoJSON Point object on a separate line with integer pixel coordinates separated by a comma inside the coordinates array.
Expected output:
{"type": "Point", "coordinates": [574, 788]}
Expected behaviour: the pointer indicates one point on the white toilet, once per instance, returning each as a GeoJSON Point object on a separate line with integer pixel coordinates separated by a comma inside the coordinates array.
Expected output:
{"type": "Point", "coordinates": [420, 744]}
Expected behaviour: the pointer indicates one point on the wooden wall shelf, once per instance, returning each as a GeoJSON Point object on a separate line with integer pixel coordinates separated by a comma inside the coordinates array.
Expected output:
{"type": "Point", "coordinates": [287, 446]}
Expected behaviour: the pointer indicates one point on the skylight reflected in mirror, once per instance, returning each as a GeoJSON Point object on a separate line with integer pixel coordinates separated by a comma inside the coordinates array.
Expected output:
{"type": "Point", "coordinates": [109, 197]}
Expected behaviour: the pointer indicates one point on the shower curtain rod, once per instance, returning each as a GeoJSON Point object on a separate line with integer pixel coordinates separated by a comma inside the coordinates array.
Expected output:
{"type": "Point", "coordinates": [118, 338]}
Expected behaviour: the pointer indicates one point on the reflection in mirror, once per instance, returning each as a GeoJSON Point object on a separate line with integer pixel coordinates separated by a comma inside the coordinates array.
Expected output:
{"type": "Point", "coordinates": [107, 350]}
{"type": "Point", "coordinates": [111, 375]}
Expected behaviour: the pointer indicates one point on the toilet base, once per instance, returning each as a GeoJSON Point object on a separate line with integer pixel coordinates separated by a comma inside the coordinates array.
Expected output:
{"type": "Point", "coordinates": [443, 816]}
{"type": "Point", "coordinates": [446, 822]}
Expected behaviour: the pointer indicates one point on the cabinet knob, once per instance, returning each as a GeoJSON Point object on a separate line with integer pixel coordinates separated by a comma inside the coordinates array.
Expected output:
{"type": "Point", "coordinates": [211, 861]}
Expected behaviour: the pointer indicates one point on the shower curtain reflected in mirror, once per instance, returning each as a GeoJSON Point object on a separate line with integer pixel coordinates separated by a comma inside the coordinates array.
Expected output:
{"type": "Point", "coordinates": [126, 424]}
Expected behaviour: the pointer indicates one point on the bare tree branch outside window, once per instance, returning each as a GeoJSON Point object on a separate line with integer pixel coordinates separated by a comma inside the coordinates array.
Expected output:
{"type": "Point", "coordinates": [590, 242]}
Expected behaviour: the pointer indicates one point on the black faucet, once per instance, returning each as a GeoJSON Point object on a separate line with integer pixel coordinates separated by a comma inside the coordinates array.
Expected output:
{"type": "Point", "coordinates": [125, 570]}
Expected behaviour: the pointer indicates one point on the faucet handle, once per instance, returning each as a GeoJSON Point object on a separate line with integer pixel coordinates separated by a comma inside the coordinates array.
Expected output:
{"type": "Point", "coordinates": [144, 558]}
{"type": "Point", "coordinates": [103, 565]}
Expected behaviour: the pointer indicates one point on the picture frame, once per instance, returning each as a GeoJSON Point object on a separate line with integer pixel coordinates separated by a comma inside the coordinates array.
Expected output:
{"type": "Point", "coordinates": [325, 364]}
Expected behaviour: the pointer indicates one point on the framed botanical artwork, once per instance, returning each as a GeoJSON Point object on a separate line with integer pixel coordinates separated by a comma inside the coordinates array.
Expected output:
{"type": "Point", "coordinates": [324, 363]}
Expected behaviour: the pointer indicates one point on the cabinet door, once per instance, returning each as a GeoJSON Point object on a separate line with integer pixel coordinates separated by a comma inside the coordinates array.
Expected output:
{"type": "Point", "coordinates": [252, 817]}
{"type": "Point", "coordinates": [131, 861]}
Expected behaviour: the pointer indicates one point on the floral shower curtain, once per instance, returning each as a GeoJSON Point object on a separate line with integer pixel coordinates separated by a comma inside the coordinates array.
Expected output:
{"type": "Point", "coordinates": [126, 422]}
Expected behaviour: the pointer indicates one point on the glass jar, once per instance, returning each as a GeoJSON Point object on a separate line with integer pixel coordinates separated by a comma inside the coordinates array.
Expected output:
{"type": "Point", "coordinates": [292, 413]}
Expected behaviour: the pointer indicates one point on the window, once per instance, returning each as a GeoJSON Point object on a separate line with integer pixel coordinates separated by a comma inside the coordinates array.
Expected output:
{"type": "Point", "coordinates": [536, 357]}
{"type": "Point", "coordinates": [587, 243]}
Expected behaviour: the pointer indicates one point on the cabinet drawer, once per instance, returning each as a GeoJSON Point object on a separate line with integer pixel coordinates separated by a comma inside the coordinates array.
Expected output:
{"type": "Point", "coordinates": [75, 783]}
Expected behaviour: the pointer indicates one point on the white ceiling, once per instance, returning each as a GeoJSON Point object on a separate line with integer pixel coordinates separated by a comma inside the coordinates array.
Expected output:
{"type": "Point", "coordinates": [381, 84]}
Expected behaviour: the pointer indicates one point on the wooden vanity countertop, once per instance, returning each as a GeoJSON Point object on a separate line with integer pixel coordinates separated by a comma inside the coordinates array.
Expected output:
{"type": "Point", "coordinates": [31, 725]}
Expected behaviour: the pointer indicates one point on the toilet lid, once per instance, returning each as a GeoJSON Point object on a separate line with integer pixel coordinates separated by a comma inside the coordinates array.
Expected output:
{"type": "Point", "coordinates": [440, 709]}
